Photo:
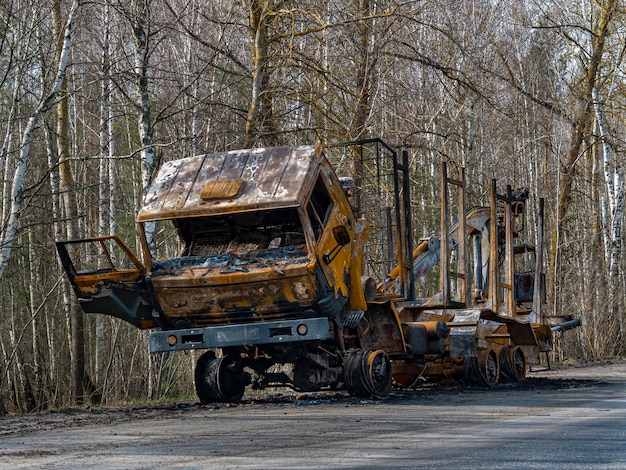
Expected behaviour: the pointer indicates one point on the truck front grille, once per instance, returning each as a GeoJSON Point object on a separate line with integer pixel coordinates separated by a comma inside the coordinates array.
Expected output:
{"type": "Point", "coordinates": [242, 315]}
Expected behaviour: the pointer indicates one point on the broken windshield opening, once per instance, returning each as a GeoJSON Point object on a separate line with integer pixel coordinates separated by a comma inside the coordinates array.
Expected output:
{"type": "Point", "coordinates": [232, 241]}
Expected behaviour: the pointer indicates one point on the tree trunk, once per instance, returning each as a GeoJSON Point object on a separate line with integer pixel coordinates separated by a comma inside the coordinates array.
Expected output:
{"type": "Point", "coordinates": [364, 73]}
{"type": "Point", "coordinates": [140, 23]}
{"type": "Point", "coordinates": [581, 128]}
{"type": "Point", "coordinates": [39, 383]}
{"type": "Point", "coordinates": [67, 187]}
{"type": "Point", "coordinates": [51, 320]}
{"type": "Point", "coordinates": [613, 214]}
{"type": "Point", "coordinates": [259, 119]}
{"type": "Point", "coordinates": [105, 218]}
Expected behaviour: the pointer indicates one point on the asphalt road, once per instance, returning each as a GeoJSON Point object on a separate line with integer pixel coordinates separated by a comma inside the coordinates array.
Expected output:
{"type": "Point", "coordinates": [576, 422]}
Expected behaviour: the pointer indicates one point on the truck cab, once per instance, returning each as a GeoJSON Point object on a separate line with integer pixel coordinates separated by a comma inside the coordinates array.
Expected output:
{"type": "Point", "coordinates": [274, 224]}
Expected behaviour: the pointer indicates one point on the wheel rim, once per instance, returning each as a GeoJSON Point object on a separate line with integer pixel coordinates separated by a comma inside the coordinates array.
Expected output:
{"type": "Point", "coordinates": [367, 373]}
{"type": "Point", "coordinates": [378, 373]}
{"type": "Point", "coordinates": [519, 364]}
{"type": "Point", "coordinates": [489, 367]}
{"type": "Point", "coordinates": [218, 380]}
{"type": "Point", "coordinates": [512, 364]}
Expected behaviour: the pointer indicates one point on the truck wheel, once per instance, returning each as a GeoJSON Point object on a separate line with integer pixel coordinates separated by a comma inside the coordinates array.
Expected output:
{"type": "Point", "coordinates": [218, 380]}
{"type": "Point", "coordinates": [489, 367]}
{"type": "Point", "coordinates": [512, 364]}
{"type": "Point", "coordinates": [367, 373]}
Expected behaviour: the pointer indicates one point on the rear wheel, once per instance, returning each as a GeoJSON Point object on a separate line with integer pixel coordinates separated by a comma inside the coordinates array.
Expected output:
{"type": "Point", "coordinates": [483, 369]}
{"type": "Point", "coordinates": [489, 367]}
{"type": "Point", "coordinates": [367, 373]}
{"type": "Point", "coordinates": [218, 379]}
{"type": "Point", "coordinates": [512, 364]}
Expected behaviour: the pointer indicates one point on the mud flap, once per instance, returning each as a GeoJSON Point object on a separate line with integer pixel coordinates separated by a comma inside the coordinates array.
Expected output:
{"type": "Point", "coordinates": [380, 329]}
{"type": "Point", "coordinates": [521, 332]}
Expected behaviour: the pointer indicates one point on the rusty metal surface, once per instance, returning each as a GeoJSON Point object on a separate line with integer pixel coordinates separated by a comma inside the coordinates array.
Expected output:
{"type": "Point", "coordinates": [267, 177]}
{"type": "Point", "coordinates": [103, 285]}
{"type": "Point", "coordinates": [521, 332]}
{"type": "Point", "coordinates": [235, 298]}
{"type": "Point", "coordinates": [381, 329]}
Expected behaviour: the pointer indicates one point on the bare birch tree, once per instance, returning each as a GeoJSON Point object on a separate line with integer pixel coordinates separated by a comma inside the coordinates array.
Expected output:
{"type": "Point", "coordinates": [584, 117]}
{"type": "Point", "coordinates": [46, 101]}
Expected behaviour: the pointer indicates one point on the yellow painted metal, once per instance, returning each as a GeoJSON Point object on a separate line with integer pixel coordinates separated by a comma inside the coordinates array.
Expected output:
{"type": "Point", "coordinates": [221, 189]}
{"type": "Point", "coordinates": [344, 271]}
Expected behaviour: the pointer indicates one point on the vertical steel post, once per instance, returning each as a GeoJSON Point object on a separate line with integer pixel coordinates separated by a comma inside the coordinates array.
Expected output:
{"type": "Point", "coordinates": [538, 265]}
{"type": "Point", "coordinates": [401, 235]}
{"type": "Point", "coordinates": [463, 269]}
{"type": "Point", "coordinates": [509, 253]}
{"type": "Point", "coordinates": [444, 246]}
{"type": "Point", "coordinates": [410, 295]}
{"type": "Point", "coordinates": [493, 248]}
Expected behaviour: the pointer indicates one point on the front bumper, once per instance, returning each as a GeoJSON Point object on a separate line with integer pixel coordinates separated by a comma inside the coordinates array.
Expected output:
{"type": "Point", "coordinates": [287, 331]}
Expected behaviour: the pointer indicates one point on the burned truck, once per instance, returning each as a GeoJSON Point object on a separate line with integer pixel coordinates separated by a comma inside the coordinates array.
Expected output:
{"type": "Point", "coordinates": [286, 274]}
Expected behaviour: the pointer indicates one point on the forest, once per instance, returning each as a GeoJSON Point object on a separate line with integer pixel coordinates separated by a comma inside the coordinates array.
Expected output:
{"type": "Point", "coordinates": [95, 95]}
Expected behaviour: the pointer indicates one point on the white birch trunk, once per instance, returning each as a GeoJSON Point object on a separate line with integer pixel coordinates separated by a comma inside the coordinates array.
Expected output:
{"type": "Point", "coordinates": [613, 212]}
{"type": "Point", "coordinates": [6, 144]}
{"type": "Point", "coordinates": [105, 192]}
{"type": "Point", "coordinates": [9, 232]}
{"type": "Point", "coordinates": [58, 235]}
{"type": "Point", "coordinates": [111, 162]}
{"type": "Point", "coordinates": [143, 103]}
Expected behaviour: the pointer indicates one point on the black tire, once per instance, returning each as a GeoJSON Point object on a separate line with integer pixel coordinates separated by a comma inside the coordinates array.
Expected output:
{"type": "Point", "coordinates": [470, 370]}
{"type": "Point", "coordinates": [218, 380]}
{"type": "Point", "coordinates": [512, 364]}
{"type": "Point", "coordinates": [367, 373]}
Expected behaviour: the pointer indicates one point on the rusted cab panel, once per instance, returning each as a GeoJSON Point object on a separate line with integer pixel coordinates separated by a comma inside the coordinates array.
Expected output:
{"type": "Point", "coordinates": [222, 299]}
{"type": "Point", "coordinates": [108, 279]}
{"type": "Point", "coordinates": [250, 180]}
